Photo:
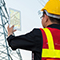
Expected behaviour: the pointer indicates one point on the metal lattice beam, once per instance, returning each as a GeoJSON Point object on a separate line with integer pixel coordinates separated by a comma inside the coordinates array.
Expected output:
{"type": "Point", "coordinates": [6, 52]}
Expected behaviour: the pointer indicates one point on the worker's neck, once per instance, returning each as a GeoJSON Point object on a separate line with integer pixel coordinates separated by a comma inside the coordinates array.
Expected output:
{"type": "Point", "coordinates": [51, 23]}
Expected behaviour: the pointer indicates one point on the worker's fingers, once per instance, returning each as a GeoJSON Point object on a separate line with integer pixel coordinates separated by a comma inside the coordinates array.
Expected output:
{"type": "Point", "coordinates": [11, 29]}
{"type": "Point", "coordinates": [13, 26]}
{"type": "Point", "coordinates": [14, 30]}
{"type": "Point", "coordinates": [8, 27]}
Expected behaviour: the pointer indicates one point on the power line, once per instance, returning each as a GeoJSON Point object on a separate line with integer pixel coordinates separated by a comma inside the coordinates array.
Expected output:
{"type": "Point", "coordinates": [40, 3]}
{"type": "Point", "coordinates": [43, 1]}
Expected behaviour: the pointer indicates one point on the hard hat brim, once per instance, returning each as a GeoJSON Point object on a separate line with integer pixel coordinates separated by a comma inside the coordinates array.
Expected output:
{"type": "Point", "coordinates": [42, 9]}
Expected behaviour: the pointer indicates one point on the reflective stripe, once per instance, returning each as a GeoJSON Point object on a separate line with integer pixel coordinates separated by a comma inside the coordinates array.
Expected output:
{"type": "Point", "coordinates": [49, 38]}
{"type": "Point", "coordinates": [51, 52]}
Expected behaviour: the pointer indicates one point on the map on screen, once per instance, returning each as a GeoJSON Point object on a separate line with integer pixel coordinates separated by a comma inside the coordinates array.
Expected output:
{"type": "Point", "coordinates": [15, 18]}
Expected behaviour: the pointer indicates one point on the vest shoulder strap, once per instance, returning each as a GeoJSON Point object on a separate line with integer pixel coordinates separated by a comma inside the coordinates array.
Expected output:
{"type": "Point", "coordinates": [51, 52]}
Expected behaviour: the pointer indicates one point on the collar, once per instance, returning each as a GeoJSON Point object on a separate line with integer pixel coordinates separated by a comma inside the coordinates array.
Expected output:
{"type": "Point", "coordinates": [57, 26]}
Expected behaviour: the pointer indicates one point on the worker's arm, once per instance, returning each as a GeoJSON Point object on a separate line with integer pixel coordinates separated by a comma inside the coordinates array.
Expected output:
{"type": "Point", "coordinates": [24, 41]}
{"type": "Point", "coordinates": [30, 41]}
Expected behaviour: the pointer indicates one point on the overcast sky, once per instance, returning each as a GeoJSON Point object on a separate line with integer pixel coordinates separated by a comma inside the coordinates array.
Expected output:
{"type": "Point", "coordinates": [29, 17]}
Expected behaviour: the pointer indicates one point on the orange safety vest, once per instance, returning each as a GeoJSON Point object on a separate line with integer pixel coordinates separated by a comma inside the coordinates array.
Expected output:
{"type": "Point", "coordinates": [51, 43]}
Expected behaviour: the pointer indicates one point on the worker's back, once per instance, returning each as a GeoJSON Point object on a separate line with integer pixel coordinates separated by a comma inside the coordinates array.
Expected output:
{"type": "Point", "coordinates": [51, 43]}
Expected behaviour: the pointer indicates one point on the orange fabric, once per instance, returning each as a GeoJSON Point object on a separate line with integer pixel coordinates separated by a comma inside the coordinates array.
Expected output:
{"type": "Point", "coordinates": [51, 59]}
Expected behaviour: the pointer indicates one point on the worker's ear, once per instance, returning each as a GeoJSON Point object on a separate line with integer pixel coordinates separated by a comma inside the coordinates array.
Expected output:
{"type": "Point", "coordinates": [46, 18]}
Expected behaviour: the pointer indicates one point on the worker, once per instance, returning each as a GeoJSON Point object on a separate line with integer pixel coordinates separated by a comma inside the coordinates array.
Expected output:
{"type": "Point", "coordinates": [43, 42]}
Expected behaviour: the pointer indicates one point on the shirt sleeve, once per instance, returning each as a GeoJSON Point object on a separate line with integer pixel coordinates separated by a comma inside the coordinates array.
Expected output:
{"type": "Point", "coordinates": [27, 41]}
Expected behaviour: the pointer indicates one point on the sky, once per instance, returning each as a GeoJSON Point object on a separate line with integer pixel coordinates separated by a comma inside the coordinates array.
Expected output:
{"type": "Point", "coordinates": [29, 18]}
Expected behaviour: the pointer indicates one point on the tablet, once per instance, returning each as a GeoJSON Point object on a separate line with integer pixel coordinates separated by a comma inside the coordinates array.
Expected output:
{"type": "Point", "coordinates": [15, 18]}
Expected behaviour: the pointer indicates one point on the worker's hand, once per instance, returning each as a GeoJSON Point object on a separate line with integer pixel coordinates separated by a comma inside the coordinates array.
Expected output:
{"type": "Point", "coordinates": [10, 30]}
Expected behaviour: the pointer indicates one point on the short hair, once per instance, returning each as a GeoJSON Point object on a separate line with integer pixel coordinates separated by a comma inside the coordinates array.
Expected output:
{"type": "Point", "coordinates": [52, 19]}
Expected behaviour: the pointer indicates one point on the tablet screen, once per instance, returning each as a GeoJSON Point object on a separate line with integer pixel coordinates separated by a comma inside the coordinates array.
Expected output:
{"type": "Point", "coordinates": [15, 18]}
